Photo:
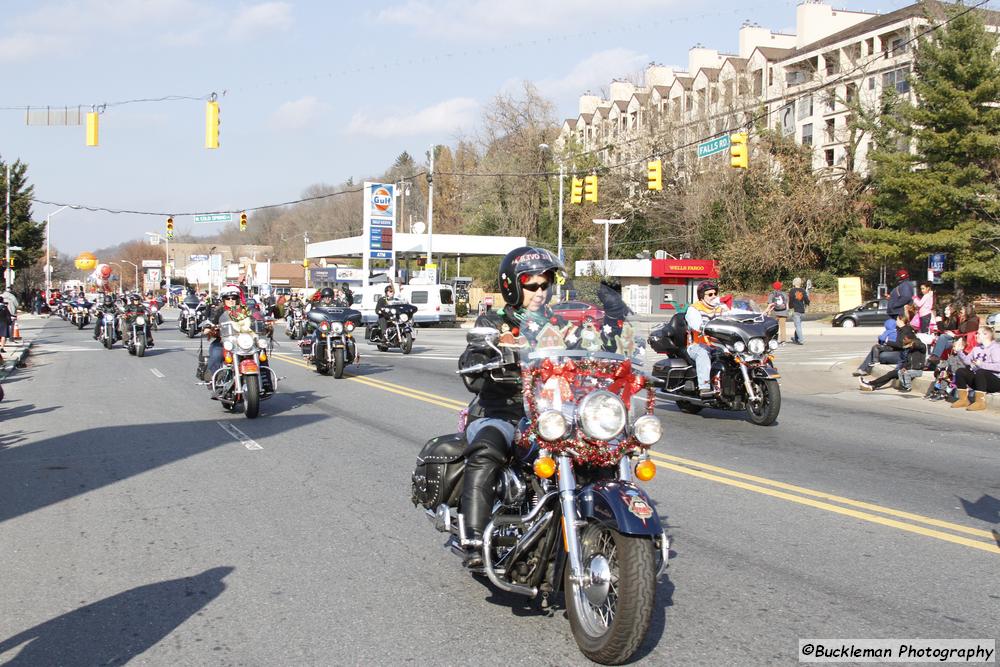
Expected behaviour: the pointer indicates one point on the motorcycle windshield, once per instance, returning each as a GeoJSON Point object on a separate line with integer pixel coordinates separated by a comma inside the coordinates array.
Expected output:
{"type": "Point", "coordinates": [582, 390]}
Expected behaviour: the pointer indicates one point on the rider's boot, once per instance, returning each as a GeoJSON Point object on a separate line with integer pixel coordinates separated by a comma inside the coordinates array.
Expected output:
{"type": "Point", "coordinates": [483, 459]}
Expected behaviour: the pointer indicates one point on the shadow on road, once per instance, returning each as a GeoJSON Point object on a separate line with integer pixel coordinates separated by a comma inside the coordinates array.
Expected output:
{"type": "Point", "coordinates": [114, 630]}
{"type": "Point", "coordinates": [46, 472]}
{"type": "Point", "coordinates": [987, 508]}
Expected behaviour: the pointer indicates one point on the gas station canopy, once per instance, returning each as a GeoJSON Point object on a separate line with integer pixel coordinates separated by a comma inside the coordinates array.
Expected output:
{"type": "Point", "coordinates": [416, 244]}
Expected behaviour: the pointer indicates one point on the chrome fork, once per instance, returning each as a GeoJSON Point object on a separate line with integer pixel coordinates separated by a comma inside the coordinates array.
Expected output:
{"type": "Point", "coordinates": [567, 501]}
{"type": "Point", "coordinates": [751, 392]}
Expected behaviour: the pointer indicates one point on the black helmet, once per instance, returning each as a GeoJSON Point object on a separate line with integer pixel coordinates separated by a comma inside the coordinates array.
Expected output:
{"type": "Point", "coordinates": [706, 285]}
{"type": "Point", "coordinates": [108, 300]}
{"type": "Point", "coordinates": [326, 293]}
{"type": "Point", "coordinates": [522, 262]}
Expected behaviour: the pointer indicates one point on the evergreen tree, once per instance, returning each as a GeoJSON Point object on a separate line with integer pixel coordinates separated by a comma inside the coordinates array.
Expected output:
{"type": "Point", "coordinates": [28, 235]}
{"type": "Point", "coordinates": [945, 195]}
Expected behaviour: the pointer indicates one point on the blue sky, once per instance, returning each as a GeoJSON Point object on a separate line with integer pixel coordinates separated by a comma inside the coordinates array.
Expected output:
{"type": "Point", "coordinates": [310, 92]}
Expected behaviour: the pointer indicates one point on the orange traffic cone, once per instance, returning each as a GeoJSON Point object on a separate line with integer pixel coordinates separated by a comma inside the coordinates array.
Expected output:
{"type": "Point", "coordinates": [17, 333]}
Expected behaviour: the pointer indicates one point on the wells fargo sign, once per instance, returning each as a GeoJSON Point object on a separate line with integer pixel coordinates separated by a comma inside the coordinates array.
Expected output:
{"type": "Point", "coordinates": [685, 268]}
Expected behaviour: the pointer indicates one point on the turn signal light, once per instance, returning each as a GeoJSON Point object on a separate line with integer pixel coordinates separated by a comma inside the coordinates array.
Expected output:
{"type": "Point", "coordinates": [228, 358]}
{"type": "Point", "coordinates": [545, 467]}
{"type": "Point", "coordinates": [263, 356]}
{"type": "Point", "coordinates": [645, 470]}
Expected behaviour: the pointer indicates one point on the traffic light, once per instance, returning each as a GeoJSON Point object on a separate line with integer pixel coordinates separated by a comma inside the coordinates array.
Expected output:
{"type": "Point", "coordinates": [212, 124]}
{"type": "Point", "coordinates": [739, 151]}
{"type": "Point", "coordinates": [654, 175]}
{"type": "Point", "coordinates": [170, 228]}
{"type": "Point", "coordinates": [305, 263]}
{"type": "Point", "coordinates": [243, 221]}
{"type": "Point", "coordinates": [11, 261]}
{"type": "Point", "coordinates": [92, 128]}
{"type": "Point", "coordinates": [576, 191]}
{"type": "Point", "coordinates": [590, 188]}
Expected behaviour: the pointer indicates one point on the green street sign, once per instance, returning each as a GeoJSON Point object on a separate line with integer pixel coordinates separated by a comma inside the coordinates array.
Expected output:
{"type": "Point", "coordinates": [713, 146]}
{"type": "Point", "coordinates": [213, 217]}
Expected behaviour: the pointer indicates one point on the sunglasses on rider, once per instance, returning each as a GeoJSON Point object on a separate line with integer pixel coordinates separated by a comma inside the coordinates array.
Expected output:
{"type": "Point", "coordinates": [229, 298]}
{"type": "Point", "coordinates": [534, 287]}
{"type": "Point", "coordinates": [711, 294]}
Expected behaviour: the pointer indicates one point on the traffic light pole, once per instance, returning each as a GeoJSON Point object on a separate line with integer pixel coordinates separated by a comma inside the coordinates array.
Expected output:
{"type": "Point", "coordinates": [6, 271]}
{"type": "Point", "coordinates": [559, 247]}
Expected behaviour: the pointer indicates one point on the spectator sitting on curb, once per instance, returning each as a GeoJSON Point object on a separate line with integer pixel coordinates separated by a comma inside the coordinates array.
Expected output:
{"type": "Point", "coordinates": [959, 324]}
{"type": "Point", "coordinates": [982, 373]}
{"type": "Point", "coordinates": [944, 386]}
{"type": "Point", "coordinates": [910, 366]}
{"type": "Point", "coordinates": [882, 352]}
{"type": "Point", "coordinates": [779, 308]}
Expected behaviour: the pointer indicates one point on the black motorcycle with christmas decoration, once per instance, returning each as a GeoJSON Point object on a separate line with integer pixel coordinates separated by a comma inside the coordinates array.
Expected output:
{"type": "Point", "coordinates": [569, 514]}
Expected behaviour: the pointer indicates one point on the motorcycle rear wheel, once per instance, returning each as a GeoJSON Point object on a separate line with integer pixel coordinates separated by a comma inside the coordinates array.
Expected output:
{"type": "Point", "coordinates": [766, 412]}
{"type": "Point", "coordinates": [251, 399]}
{"type": "Point", "coordinates": [338, 363]}
{"type": "Point", "coordinates": [611, 633]}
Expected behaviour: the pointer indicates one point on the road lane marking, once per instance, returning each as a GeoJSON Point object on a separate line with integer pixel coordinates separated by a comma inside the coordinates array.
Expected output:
{"type": "Point", "coordinates": [157, 373]}
{"type": "Point", "coordinates": [836, 509]}
{"type": "Point", "coordinates": [242, 437]}
{"type": "Point", "coordinates": [827, 496]}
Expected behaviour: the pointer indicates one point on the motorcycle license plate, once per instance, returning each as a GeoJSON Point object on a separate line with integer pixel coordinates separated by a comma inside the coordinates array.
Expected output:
{"type": "Point", "coordinates": [248, 366]}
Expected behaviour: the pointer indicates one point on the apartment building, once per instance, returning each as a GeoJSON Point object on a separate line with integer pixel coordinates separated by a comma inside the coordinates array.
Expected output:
{"type": "Point", "coordinates": [807, 85]}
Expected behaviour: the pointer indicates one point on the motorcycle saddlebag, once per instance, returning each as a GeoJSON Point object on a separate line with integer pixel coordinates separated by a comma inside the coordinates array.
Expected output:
{"type": "Point", "coordinates": [669, 337]}
{"type": "Point", "coordinates": [438, 472]}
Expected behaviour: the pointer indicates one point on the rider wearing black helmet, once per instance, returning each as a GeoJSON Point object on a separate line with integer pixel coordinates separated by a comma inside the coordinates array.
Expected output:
{"type": "Point", "coordinates": [105, 305]}
{"type": "Point", "coordinates": [388, 294]}
{"type": "Point", "coordinates": [526, 278]}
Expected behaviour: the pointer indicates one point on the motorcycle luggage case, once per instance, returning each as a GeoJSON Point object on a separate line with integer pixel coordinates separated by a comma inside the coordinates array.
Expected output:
{"type": "Point", "coordinates": [669, 337]}
{"type": "Point", "coordinates": [438, 472]}
{"type": "Point", "coordinates": [673, 369]}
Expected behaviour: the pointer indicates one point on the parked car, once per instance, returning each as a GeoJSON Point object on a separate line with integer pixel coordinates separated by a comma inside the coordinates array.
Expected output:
{"type": "Point", "coordinates": [578, 312]}
{"type": "Point", "coordinates": [869, 314]}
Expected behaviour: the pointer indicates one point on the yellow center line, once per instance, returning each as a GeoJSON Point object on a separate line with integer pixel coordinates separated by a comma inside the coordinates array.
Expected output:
{"type": "Point", "coordinates": [864, 516]}
{"type": "Point", "coordinates": [829, 496]}
{"type": "Point", "coordinates": [459, 404]}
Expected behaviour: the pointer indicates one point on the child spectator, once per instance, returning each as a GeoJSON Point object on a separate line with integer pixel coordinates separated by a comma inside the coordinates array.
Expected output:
{"type": "Point", "coordinates": [911, 366]}
{"type": "Point", "coordinates": [944, 387]}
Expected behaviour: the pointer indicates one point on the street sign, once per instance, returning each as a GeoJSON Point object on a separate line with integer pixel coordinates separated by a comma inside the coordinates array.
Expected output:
{"type": "Point", "coordinates": [713, 146]}
{"type": "Point", "coordinates": [379, 223]}
{"type": "Point", "coordinates": [206, 218]}
{"type": "Point", "coordinates": [152, 263]}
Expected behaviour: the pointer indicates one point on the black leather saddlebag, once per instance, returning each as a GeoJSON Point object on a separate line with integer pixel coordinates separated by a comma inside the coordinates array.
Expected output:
{"type": "Point", "coordinates": [438, 474]}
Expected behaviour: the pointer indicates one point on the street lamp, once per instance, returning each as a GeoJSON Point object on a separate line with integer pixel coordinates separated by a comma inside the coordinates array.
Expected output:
{"type": "Point", "coordinates": [136, 288]}
{"type": "Point", "coordinates": [607, 225]}
{"type": "Point", "coordinates": [48, 263]}
{"type": "Point", "coordinates": [559, 249]}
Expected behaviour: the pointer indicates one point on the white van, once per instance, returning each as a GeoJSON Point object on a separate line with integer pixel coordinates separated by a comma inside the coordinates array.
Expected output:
{"type": "Point", "coordinates": [435, 303]}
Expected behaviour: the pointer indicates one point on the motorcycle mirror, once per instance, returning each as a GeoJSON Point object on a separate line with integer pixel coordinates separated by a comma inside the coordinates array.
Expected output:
{"type": "Point", "coordinates": [482, 337]}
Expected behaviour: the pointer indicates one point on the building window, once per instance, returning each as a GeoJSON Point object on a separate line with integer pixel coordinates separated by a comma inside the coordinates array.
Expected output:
{"type": "Point", "coordinates": [871, 83]}
{"type": "Point", "coordinates": [807, 134]}
{"type": "Point", "coordinates": [830, 101]}
{"type": "Point", "coordinates": [897, 47]}
{"type": "Point", "coordinates": [829, 157]}
{"type": "Point", "coordinates": [898, 79]}
{"type": "Point", "coordinates": [832, 64]}
{"type": "Point", "coordinates": [758, 82]}
{"type": "Point", "coordinates": [852, 92]}
{"type": "Point", "coordinates": [805, 107]}
{"type": "Point", "coordinates": [795, 77]}
{"type": "Point", "coordinates": [742, 86]}
{"type": "Point", "coordinates": [770, 77]}
{"type": "Point", "coordinates": [831, 130]}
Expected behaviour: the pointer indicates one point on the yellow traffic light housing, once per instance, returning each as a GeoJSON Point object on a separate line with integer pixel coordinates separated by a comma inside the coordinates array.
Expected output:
{"type": "Point", "coordinates": [305, 263]}
{"type": "Point", "coordinates": [590, 188]}
{"type": "Point", "coordinates": [170, 228]}
{"type": "Point", "coordinates": [93, 125]}
{"type": "Point", "coordinates": [576, 191]}
{"type": "Point", "coordinates": [654, 175]}
{"type": "Point", "coordinates": [739, 151]}
{"type": "Point", "coordinates": [212, 124]}
{"type": "Point", "coordinates": [243, 221]}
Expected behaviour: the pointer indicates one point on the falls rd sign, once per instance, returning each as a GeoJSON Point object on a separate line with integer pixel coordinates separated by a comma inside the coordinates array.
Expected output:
{"type": "Point", "coordinates": [713, 146]}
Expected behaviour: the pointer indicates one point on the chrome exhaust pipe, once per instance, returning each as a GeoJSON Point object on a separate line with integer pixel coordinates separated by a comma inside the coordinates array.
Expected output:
{"type": "Point", "coordinates": [530, 591]}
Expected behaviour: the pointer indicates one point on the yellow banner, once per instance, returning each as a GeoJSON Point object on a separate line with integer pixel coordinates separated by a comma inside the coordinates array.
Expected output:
{"type": "Point", "coordinates": [849, 291]}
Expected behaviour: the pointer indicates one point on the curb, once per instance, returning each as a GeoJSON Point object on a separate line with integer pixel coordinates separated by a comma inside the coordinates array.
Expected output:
{"type": "Point", "coordinates": [14, 360]}
{"type": "Point", "coordinates": [923, 383]}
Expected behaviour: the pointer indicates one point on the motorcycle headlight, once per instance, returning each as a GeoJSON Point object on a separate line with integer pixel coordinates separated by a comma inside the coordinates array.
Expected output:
{"type": "Point", "coordinates": [336, 327]}
{"type": "Point", "coordinates": [602, 415]}
{"type": "Point", "coordinates": [772, 344]}
{"type": "Point", "coordinates": [261, 343]}
{"type": "Point", "coordinates": [244, 341]}
{"type": "Point", "coordinates": [154, 308]}
{"type": "Point", "coordinates": [228, 346]}
{"type": "Point", "coordinates": [647, 430]}
{"type": "Point", "coordinates": [140, 320]}
{"type": "Point", "coordinates": [551, 425]}
{"type": "Point", "coordinates": [404, 317]}
{"type": "Point", "coordinates": [757, 345]}
{"type": "Point", "coordinates": [349, 326]}
{"type": "Point", "coordinates": [739, 346]}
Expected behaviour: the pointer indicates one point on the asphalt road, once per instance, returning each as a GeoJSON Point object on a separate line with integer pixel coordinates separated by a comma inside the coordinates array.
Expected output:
{"type": "Point", "coordinates": [140, 522]}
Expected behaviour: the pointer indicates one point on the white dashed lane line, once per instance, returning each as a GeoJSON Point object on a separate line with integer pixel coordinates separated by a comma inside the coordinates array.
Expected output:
{"type": "Point", "coordinates": [240, 436]}
{"type": "Point", "coordinates": [157, 373]}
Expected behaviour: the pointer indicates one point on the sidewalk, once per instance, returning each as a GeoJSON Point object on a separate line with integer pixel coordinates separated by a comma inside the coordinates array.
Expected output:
{"type": "Point", "coordinates": [16, 352]}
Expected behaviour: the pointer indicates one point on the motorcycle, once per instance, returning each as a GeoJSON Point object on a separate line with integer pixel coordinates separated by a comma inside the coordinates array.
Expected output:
{"type": "Point", "coordinates": [135, 325]}
{"type": "Point", "coordinates": [80, 314]}
{"type": "Point", "coordinates": [294, 323]}
{"type": "Point", "coordinates": [333, 346]}
{"type": "Point", "coordinates": [241, 379]}
{"type": "Point", "coordinates": [569, 514]}
{"type": "Point", "coordinates": [109, 329]}
{"type": "Point", "coordinates": [743, 373]}
{"type": "Point", "coordinates": [399, 332]}
{"type": "Point", "coordinates": [155, 317]}
{"type": "Point", "coordinates": [189, 320]}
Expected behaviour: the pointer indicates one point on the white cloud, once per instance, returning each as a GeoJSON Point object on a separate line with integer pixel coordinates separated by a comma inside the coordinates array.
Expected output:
{"type": "Point", "coordinates": [441, 118]}
{"type": "Point", "coordinates": [478, 18]}
{"type": "Point", "coordinates": [299, 114]}
{"type": "Point", "coordinates": [25, 46]}
{"type": "Point", "coordinates": [261, 18]}
{"type": "Point", "coordinates": [595, 71]}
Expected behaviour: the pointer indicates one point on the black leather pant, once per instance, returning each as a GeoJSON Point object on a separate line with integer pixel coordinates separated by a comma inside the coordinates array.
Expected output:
{"type": "Point", "coordinates": [484, 457]}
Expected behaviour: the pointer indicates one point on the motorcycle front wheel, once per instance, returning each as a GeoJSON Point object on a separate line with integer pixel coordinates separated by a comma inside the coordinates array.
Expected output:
{"type": "Point", "coordinates": [191, 331]}
{"type": "Point", "coordinates": [140, 348]}
{"type": "Point", "coordinates": [610, 632]}
{"type": "Point", "coordinates": [338, 363]}
{"type": "Point", "coordinates": [407, 345]}
{"type": "Point", "coordinates": [765, 412]}
{"type": "Point", "coordinates": [251, 399]}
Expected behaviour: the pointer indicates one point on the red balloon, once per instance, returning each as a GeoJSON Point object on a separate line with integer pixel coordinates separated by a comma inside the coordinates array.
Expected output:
{"type": "Point", "coordinates": [105, 271]}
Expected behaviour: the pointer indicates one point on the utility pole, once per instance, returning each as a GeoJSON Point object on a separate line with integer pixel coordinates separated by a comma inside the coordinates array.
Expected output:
{"type": "Point", "coordinates": [560, 247]}
{"type": "Point", "coordinates": [305, 257]}
{"type": "Point", "coordinates": [6, 274]}
{"type": "Point", "coordinates": [430, 209]}
{"type": "Point", "coordinates": [48, 261]}
{"type": "Point", "coordinates": [607, 226]}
